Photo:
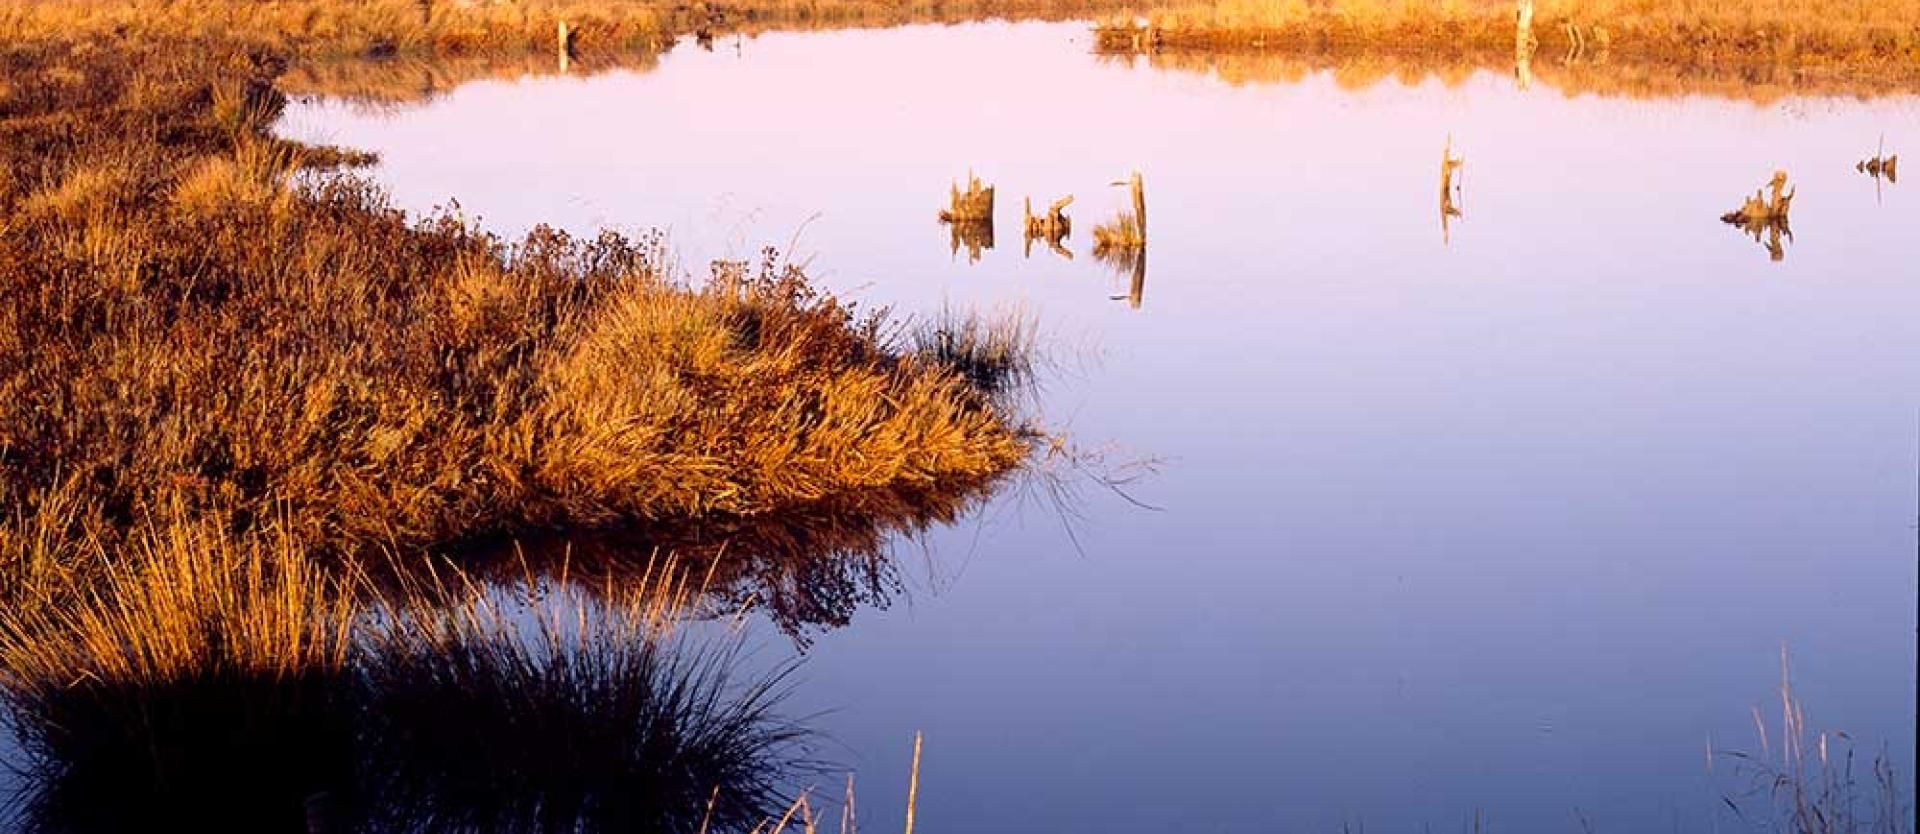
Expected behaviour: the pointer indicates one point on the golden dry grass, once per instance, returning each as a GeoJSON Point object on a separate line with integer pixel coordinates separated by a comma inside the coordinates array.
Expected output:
{"type": "Point", "coordinates": [192, 322]}
{"type": "Point", "coordinates": [1617, 77]}
{"type": "Point", "coordinates": [195, 678]}
{"type": "Point", "coordinates": [310, 28]}
{"type": "Point", "coordinates": [1865, 39]}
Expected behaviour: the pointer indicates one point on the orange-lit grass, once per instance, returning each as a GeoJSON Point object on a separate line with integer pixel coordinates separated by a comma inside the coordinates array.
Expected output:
{"type": "Point", "coordinates": [197, 679]}
{"type": "Point", "coordinates": [1849, 38]}
{"type": "Point", "coordinates": [191, 322]}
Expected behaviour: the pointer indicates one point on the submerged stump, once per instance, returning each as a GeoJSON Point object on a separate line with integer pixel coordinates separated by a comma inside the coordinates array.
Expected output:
{"type": "Point", "coordinates": [1053, 227]}
{"type": "Point", "coordinates": [1765, 216]}
{"type": "Point", "coordinates": [1881, 165]}
{"type": "Point", "coordinates": [974, 205]}
{"type": "Point", "coordinates": [1762, 208]}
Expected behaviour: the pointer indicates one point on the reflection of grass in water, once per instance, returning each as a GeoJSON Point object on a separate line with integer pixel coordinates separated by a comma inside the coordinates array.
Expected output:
{"type": "Point", "coordinates": [233, 686]}
{"type": "Point", "coordinates": [1121, 233]}
{"type": "Point", "coordinates": [580, 712]}
{"type": "Point", "coordinates": [198, 683]}
{"type": "Point", "coordinates": [1625, 76]}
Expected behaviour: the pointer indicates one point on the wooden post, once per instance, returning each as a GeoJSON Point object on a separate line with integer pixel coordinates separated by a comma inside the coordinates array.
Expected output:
{"type": "Point", "coordinates": [565, 47]}
{"type": "Point", "coordinates": [1523, 42]}
{"type": "Point", "coordinates": [1140, 205]}
{"type": "Point", "coordinates": [1448, 209]}
{"type": "Point", "coordinates": [1137, 290]}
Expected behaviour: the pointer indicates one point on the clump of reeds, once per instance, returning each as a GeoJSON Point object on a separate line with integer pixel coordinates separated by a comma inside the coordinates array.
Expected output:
{"type": "Point", "coordinates": [197, 684]}
{"type": "Point", "coordinates": [1123, 232]}
{"type": "Point", "coordinates": [484, 710]}
{"type": "Point", "coordinates": [1127, 231]}
{"type": "Point", "coordinates": [1805, 783]}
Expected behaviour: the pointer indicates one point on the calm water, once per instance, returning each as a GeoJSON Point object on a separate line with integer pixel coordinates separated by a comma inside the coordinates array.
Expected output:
{"type": "Point", "coordinates": [1517, 520]}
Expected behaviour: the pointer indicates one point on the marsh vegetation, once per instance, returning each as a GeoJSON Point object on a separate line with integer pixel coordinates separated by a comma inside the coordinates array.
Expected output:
{"type": "Point", "coordinates": [321, 510]}
{"type": "Point", "coordinates": [1857, 39]}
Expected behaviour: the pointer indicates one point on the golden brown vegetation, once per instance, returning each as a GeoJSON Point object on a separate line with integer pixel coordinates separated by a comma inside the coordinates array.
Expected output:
{"type": "Point", "coordinates": [1127, 232]}
{"type": "Point", "coordinates": [1616, 76]}
{"type": "Point", "coordinates": [183, 329]}
{"type": "Point", "coordinates": [1863, 41]}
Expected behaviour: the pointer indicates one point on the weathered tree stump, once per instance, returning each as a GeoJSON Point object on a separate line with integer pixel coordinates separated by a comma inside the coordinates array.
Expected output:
{"type": "Point", "coordinates": [1881, 165]}
{"type": "Point", "coordinates": [1768, 215]}
{"type": "Point", "coordinates": [1052, 227]}
{"type": "Point", "coordinates": [1760, 209]}
{"type": "Point", "coordinates": [975, 235]}
{"type": "Point", "coordinates": [971, 206]}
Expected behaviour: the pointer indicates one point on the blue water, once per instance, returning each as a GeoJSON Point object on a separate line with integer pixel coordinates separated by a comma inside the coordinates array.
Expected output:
{"type": "Point", "coordinates": [1511, 521]}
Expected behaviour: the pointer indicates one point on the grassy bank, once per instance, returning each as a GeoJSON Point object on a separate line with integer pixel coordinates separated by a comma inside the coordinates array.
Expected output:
{"type": "Point", "coordinates": [192, 323]}
{"type": "Point", "coordinates": [1869, 40]}
{"type": "Point", "coordinates": [1615, 77]}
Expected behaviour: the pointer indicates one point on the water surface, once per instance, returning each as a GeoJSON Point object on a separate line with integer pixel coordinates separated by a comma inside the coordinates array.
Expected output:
{"type": "Point", "coordinates": [1513, 517]}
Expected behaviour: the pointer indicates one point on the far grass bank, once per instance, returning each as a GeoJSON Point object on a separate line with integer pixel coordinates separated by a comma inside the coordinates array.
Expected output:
{"type": "Point", "coordinates": [1868, 41]}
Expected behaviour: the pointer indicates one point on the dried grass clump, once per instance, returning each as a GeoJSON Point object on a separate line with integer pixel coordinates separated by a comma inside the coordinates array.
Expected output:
{"type": "Point", "coordinates": [197, 680]}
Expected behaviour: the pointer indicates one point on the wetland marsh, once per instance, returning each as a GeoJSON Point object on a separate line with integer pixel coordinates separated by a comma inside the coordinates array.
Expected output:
{"type": "Point", "coordinates": [408, 426]}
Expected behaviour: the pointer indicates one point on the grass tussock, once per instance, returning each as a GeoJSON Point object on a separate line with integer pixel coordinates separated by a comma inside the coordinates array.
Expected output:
{"type": "Point", "coordinates": [1854, 39]}
{"type": "Point", "coordinates": [598, 718]}
{"type": "Point", "coordinates": [1123, 233]}
{"type": "Point", "coordinates": [199, 681]}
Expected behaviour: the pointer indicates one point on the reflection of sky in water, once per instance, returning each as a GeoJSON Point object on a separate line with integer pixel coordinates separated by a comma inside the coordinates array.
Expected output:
{"type": "Point", "coordinates": [1517, 523]}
